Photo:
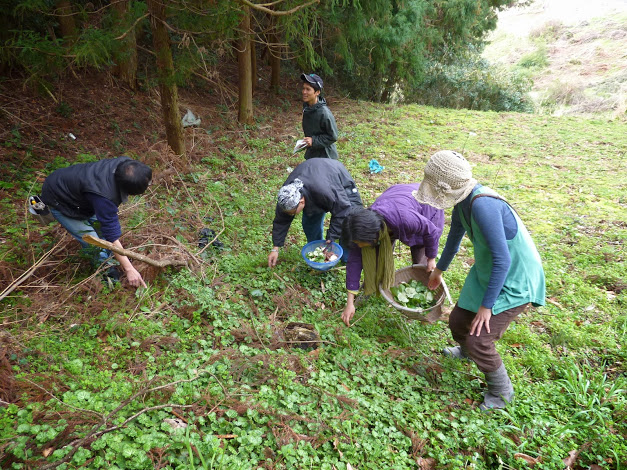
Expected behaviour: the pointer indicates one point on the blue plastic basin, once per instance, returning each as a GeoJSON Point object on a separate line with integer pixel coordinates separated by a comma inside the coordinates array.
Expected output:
{"type": "Point", "coordinates": [332, 247]}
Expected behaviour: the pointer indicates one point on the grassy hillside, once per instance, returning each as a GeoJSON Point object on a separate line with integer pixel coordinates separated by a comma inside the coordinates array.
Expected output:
{"type": "Point", "coordinates": [195, 371]}
{"type": "Point", "coordinates": [573, 50]}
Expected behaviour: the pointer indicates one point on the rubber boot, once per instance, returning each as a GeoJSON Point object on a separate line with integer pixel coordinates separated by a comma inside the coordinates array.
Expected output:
{"type": "Point", "coordinates": [456, 352]}
{"type": "Point", "coordinates": [500, 390]}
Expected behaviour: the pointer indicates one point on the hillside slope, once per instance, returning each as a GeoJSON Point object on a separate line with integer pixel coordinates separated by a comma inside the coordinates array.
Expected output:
{"type": "Point", "coordinates": [573, 50]}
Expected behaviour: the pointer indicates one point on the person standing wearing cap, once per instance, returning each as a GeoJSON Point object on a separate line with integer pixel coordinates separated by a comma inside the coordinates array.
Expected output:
{"type": "Point", "coordinates": [507, 274]}
{"type": "Point", "coordinates": [319, 124]}
{"type": "Point", "coordinates": [315, 187]}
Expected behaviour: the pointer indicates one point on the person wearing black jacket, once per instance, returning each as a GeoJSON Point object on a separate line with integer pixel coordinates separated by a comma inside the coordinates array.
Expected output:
{"type": "Point", "coordinates": [319, 124]}
{"type": "Point", "coordinates": [315, 187]}
{"type": "Point", "coordinates": [82, 194]}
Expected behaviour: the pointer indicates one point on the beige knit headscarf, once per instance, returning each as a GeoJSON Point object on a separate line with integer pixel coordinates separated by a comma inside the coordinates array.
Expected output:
{"type": "Point", "coordinates": [447, 180]}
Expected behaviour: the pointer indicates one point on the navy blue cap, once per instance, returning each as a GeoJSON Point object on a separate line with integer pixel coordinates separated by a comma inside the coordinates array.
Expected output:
{"type": "Point", "coordinates": [314, 80]}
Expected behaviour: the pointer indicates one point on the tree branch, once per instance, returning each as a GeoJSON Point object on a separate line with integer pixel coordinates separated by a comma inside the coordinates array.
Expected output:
{"type": "Point", "coordinates": [260, 7]}
{"type": "Point", "coordinates": [28, 273]}
{"type": "Point", "coordinates": [123, 35]}
{"type": "Point", "coordinates": [131, 254]}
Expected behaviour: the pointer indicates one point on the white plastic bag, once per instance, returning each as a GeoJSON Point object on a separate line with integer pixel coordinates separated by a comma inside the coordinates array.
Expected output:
{"type": "Point", "coordinates": [190, 119]}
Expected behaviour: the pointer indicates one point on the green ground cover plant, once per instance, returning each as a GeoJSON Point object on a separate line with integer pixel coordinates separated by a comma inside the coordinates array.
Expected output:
{"type": "Point", "coordinates": [196, 373]}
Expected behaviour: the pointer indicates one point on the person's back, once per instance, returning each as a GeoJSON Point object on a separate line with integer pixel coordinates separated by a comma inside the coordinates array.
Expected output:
{"type": "Point", "coordinates": [82, 194]}
{"type": "Point", "coordinates": [407, 216]}
{"type": "Point", "coordinates": [320, 172]}
{"type": "Point", "coordinates": [65, 189]}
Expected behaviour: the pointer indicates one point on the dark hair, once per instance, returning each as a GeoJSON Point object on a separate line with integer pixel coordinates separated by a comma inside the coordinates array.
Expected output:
{"type": "Point", "coordinates": [362, 225]}
{"type": "Point", "coordinates": [133, 177]}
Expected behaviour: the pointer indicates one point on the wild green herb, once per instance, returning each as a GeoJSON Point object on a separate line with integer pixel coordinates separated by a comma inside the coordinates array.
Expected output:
{"type": "Point", "coordinates": [376, 395]}
{"type": "Point", "coordinates": [321, 255]}
{"type": "Point", "coordinates": [413, 294]}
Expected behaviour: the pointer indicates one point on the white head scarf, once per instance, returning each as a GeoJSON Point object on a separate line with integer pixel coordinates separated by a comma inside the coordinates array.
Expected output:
{"type": "Point", "coordinates": [289, 195]}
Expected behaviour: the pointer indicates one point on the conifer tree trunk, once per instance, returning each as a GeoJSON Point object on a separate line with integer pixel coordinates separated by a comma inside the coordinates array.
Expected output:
{"type": "Point", "coordinates": [275, 57]}
{"type": "Point", "coordinates": [244, 62]}
{"type": "Point", "coordinates": [167, 86]}
{"type": "Point", "coordinates": [126, 67]}
{"type": "Point", "coordinates": [253, 64]}
{"type": "Point", "coordinates": [390, 83]}
{"type": "Point", "coordinates": [67, 25]}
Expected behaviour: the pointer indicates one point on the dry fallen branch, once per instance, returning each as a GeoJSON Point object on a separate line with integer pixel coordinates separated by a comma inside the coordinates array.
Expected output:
{"type": "Point", "coordinates": [131, 254]}
{"type": "Point", "coordinates": [28, 273]}
{"type": "Point", "coordinates": [261, 8]}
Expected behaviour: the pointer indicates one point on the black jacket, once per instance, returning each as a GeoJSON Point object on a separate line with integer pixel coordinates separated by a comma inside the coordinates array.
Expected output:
{"type": "Point", "coordinates": [64, 189]}
{"type": "Point", "coordinates": [327, 187]}
{"type": "Point", "coordinates": [319, 124]}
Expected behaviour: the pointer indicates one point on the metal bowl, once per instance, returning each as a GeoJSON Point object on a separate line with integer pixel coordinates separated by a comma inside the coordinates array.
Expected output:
{"type": "Point", "coordinates": [419, 273]}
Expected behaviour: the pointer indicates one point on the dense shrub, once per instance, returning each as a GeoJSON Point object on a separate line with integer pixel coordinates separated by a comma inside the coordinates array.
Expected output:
{"type": "Point", "coordinates": [471, 82]}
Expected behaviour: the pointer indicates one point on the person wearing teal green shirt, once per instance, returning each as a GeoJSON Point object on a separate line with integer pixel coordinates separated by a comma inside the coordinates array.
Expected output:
{"type": "Point", "coordinates": [505, 279]}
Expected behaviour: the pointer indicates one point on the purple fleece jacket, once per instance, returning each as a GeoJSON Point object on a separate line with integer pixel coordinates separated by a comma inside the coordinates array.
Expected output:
{"type": "Point", "coordinates": [412, 223]}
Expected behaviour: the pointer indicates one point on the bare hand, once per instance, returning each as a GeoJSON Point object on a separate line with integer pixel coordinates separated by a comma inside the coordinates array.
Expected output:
{"type": "Point", "coordinates": [272, 259]}
{"type": "Point", "coordinates": [430, 264]}
{"type": "Point", "coordinates": [482, 318]}
{"type": "Point", "coordinates": [348, 313]}
{"type": "Point", "coordinates": [134, 278]}
{"type": "Point", "coordinates": [435, 279]}
{"type": "Point", "coordinates": [308, 141]}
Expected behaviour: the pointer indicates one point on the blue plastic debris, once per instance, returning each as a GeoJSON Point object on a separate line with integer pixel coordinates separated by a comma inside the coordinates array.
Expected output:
{"type": "Point", "coordinates": [375, 166]}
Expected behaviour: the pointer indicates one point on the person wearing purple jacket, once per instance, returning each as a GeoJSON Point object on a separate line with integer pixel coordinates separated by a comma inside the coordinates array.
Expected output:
{"type": "Point", "coordinates": [395, 215]}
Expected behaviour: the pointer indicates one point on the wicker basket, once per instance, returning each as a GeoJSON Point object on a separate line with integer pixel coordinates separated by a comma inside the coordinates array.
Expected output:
{"type": "Point", "coordinates": [419, 273]}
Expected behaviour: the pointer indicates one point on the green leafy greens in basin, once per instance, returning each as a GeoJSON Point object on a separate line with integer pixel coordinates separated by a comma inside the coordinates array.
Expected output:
{"type": "Point", "coordinates": [413, 294]}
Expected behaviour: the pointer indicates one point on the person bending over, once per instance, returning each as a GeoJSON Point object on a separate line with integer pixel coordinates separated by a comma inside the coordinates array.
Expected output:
{"type": "Point", "coordinates": [315, 187]}
{"type": "Point", "coordinates": [370, 234]}
{"type": "Point", "coordinates": [505, 278]}
{"type": "Point", "coordinates": [84, 193]}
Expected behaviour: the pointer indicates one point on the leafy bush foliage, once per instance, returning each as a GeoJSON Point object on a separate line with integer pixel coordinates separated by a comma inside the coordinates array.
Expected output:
{"type": "Point", "coordinates": [473, 83]}
{"type": "Point", "coordinates": [375, 49]}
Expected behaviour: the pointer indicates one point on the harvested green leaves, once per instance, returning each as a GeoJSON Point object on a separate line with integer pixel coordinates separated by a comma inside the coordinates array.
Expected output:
{"type": "Point", "coordinates": [320, 255]}
{"type": "Point", "coordinates": [413, 294]}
